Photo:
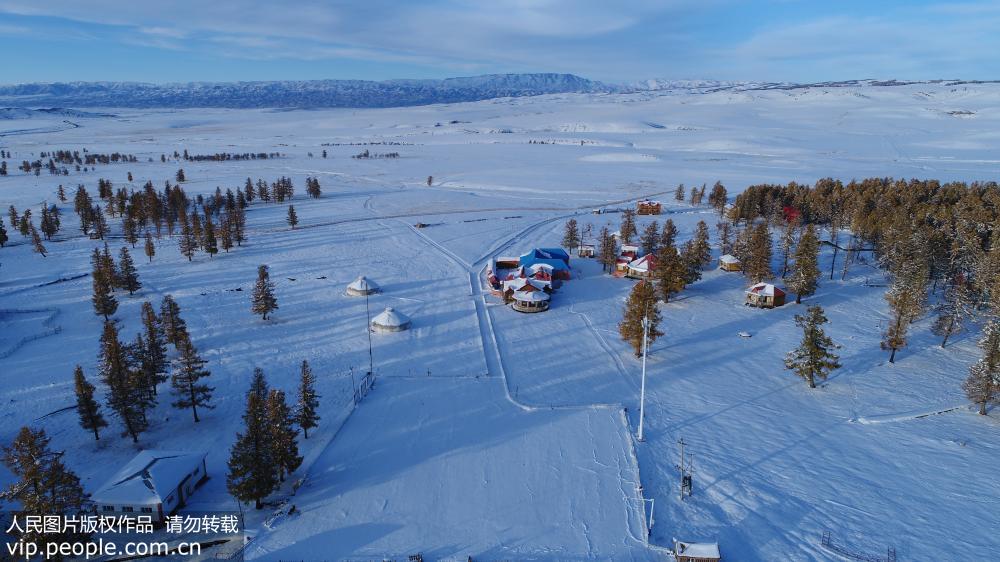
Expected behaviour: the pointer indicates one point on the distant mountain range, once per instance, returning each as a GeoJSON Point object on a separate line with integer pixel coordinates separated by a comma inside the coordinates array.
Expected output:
{"type": "Point", "coordinates": [357, 93]}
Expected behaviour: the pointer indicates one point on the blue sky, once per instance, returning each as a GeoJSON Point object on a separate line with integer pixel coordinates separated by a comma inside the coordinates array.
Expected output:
{"type": "Point", "coordinates": [222, 40]}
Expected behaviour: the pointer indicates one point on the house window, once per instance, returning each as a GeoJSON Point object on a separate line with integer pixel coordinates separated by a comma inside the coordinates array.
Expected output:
{"type": "Point", "coordinates": [147, 510]}
{"type": "Point", "coordinates": [127, 509]}
{"type": "Point", "coordinates": [107, 508]}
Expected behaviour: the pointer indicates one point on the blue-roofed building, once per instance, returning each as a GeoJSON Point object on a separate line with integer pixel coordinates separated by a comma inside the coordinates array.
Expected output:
{"type": "Point", "coordinates": [557, 258]}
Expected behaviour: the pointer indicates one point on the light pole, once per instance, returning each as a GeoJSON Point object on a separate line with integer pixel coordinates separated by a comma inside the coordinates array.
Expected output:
{"type": "Point", "coordinates": [642, 391]}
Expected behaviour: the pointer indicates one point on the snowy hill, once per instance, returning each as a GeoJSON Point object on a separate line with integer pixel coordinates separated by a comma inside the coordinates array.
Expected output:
{"type": "Point", "coordinates": [297, 94]}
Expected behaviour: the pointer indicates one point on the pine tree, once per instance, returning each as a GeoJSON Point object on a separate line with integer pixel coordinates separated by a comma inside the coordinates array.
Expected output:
{"type": "Point", "coordinates": [718, 198]}
{"type": "Point", "coordinates": [787, 244]}
{"type": "Point", "coordinates": [187, 242]}
{"type": "Point", "coordinates": [226, 233]}
{"type": "Point", "coordinates": [180, 177]}
{"type": "Point", "coordinates": [571, 235]}
{"type": "Point", "coordinates": [197, 232]}
{"type": "Point", "coordinates": [812, 359]}
{"type": "Point", "coordinates": [264, 301]}
{"type": "Point", "coordinates": [210, 245]}
{"type": "Point", "coordinates": [669, 273]}
{"type": "Point", "coordinates": [130, 228]}
{"type": "Point", "coordinates": [105, 303]}
{"type": "Point", "coordinates": [154, 355]}
{"type": "Point", "coordinates": [957, 304]}
{"type": "Point", "coordinates": [125, 396]}
{"type": "Point", "coordinates": [691, 262]}
{"type": "Point", "coordinates": [607, 253]}
{"type": "Point", "coordinates": [174, 328]}
{"type": "Point", "coordinates": [669, 235]}
{"type": "Point", "coordinates": [36, 242]}
{"type": "Point", "coordinates": [3, 234]}
{"type": "Point", "coordinates": [906, 296]}
{"type": "Point", "coordinates": [641, 304]}
{"type": "Point", "coordinates": [679, 193]}
{"type": "Point", "coordinates": [292, 218]}
{"type": "Point", "coordinates": [307, 402]}
{"type": "Point", "coordinates": [983, 384]}
{"type": "Point", "coordinates": [188, 371]}
{"type": "Point", "coordinates": [757, 265]}
{"type": "Point", "coordinates": [650, 238]}
{"type": "Point", "coordinates": [805, 273]}
{"type": "Point", "coordinates": [129, 277]}
{"type": "Point", "coordinates": [86, 407]}
{"type": "Point", "coordinates": [701, 247]}
{"type": "Point", "coordinates": [312, 186]}
{"type": "Point", "coordinates": [150, 247]}
{"type": "Point", "coordinates": [283, 433]}
{"type": "Point", "coordinates": [253, 472]}
{"type": "Point", "coordinates": [43, 485]}
{"type": "Point", "coordinates": [627, 230]}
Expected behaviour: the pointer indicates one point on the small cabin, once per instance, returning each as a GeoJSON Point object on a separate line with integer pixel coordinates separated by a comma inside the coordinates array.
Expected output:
{"type": "Point", "coordinates": [765, 295]}
{"type": "Point", "coordinates": [530, 300]}
{"type": "Point", "coordinates": [587, 251]}
{"type": "Point", "coordinates": [647, 207]}
{"type": "Point", "coordinates": [729, 262]}
{"type": "Point", "coordinates": [696, 551]}
{"type": "Point", "coordinates": [629, 251]}
{"type": "Point", "coordinates": [642, 268]}
{"type": "Point", "coordinates": [153, 484]}
{"type": "Point", "coordinates": [621, 267]}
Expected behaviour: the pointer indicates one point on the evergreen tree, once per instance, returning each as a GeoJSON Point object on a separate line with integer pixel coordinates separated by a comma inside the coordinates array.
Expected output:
{"type": "Point", "coordinates": [86, 407]}
{"type": "Point", "coordinates": [154, 355]}
{"type": "Point", "coordinates": [226, 233]}
{"type": "Point", "coordinates": [253, 471]}
{"type": "Point", "coordinates": [105, 303]}
{"type": "Point", "coordinates": [812, 359]}
{"type": "Point", "coordinates": [641, 304]}
{"type": "Point", "coordinates": [627, 230]}
{"type": "Point", "coordinates": [307, 402]}
{"type": "Point", "coordinates": [264, 301]}
{"type": "Point", "coordinates": [691, 262]}
{"type": "Point", "coordinates": [150, 247]}
{"type": "Point", "coordinates": [43, 485]}
{"type": "Point", "coordinates": [957, 304]}
{"type": "Point", "coordinates": [3, 234]}
{"type": "Point", "coordinates": [669, 235]}
{"type": "Point", "coordinates": [186, 383]}
{"type": "Point", "coordinates": [282, 434]}
{"type": "Point", "coordinates": [805, 273]}
{"type": "Point", "coordinates": [787, 244]}
{"type": "Point", "coordinates": [701, 247]}
{"type": "Point", "coordinates": [650, 238]}
{"type": "Point", "coordinates": [757, 265]}
{"type": "Point", "coordinates": [983, 384]}
{"type": "Point", "coordinates": [129, 277]}
{"type": "Point", "coordinates": [187, 242]}
{"type": "Point", "coordinates": [607, 253]}
{"type": "Point", "coordinates": [125, 396]}
{"type": "Point", "coordinates": [210, 245]}
{"type": "Point", "coordinates": [312, 186]}
{"type": "Point", "coordinates": [571, 235]}
{"type": "Point", "coordinates": [292, 219]}
{"type": "Point", "coordinates": [906, 296]}
{"type": "Point", "coordinates": [669, 273]}
{"type": "Point", "coordinates": [679, 193]}
{"type": "Point", "coordinates": [130, 228]}
{"type": "Point", "coordinates": [718, 198]}
{"type": "Point", "coordinates": [36, 242]}
{"type": "Point", "coordinates": [180, 177]}
{"type": "Point", "coordinates": [174, 328]}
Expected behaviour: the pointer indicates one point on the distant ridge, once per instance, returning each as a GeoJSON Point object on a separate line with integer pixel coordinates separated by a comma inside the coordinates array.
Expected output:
{"type": "Point", "coordinates": [309, 94]}
{"type": "Point", "coordinates": [295, 94]}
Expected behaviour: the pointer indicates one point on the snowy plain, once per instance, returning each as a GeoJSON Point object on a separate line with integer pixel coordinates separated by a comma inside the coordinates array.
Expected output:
{"type": "Point", "coordinates": [499, 435]}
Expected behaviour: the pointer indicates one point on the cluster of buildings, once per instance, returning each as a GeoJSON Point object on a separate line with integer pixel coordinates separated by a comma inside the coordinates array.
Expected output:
{"type": "Point", "coordinates": [528, 281]}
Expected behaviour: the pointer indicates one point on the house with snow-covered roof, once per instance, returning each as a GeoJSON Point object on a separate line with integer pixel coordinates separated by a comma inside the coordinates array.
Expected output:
{"type": "Point", "coordinates": [642, 268]}
{"type": "Point", "coordinates": [696, 551]}
{"type": "Point", "coordinates": [765, 295]}
{"type": "Point", "coordinates": [153, 483]}
{"type": "Point", "coordinates": [557, 258]}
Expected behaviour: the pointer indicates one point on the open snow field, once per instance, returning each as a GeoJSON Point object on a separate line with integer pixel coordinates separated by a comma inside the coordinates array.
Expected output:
{"type": "Point", "coordinates": [498, 435]}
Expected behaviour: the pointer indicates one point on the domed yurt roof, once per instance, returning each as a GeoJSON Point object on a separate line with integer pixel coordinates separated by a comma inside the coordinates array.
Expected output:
{"type": "Point", "coordinates": [362, 286]}
{"type": "Point", "coordinates": [391, 320]}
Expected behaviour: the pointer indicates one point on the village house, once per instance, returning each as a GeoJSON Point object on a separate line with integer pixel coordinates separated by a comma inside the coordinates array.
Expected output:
{"type": "Point", "coordinates": [696, 552]}
{"type": "Point", "coordinates": [729, 262]}
{"type": "Point", "coordinates": [587, 251]}
{"type": "Point", "coordinates": [533, 300]}
{"type": "Point", "coordinates": [557, 258]}
{"type": "Point", "coordinates": [765, 295]}
{"type": "Point", "coordinates": [647, 207]}
{"type": "Point", "coordinates": [153, 483]}
{"type": "Point", "coordinates": [642, 268]}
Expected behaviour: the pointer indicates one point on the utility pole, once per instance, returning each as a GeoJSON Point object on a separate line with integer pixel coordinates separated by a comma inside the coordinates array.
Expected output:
{"type": "Point", "coordinates": [686, 480]}
{"type": "Point", "coordinates": [642, 391]}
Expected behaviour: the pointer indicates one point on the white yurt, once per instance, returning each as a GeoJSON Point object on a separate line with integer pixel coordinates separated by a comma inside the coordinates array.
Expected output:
{"type": "Point", "coordinates": [530, 301]}
{"type": "Point", "coordinates": [390, 320]}
{"type": "Point", "coordinates": [362, 286]}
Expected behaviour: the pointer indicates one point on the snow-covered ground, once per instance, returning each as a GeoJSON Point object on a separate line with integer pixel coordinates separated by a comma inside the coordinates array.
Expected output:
{"type": "Point", "coordinates": [501, 435]}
